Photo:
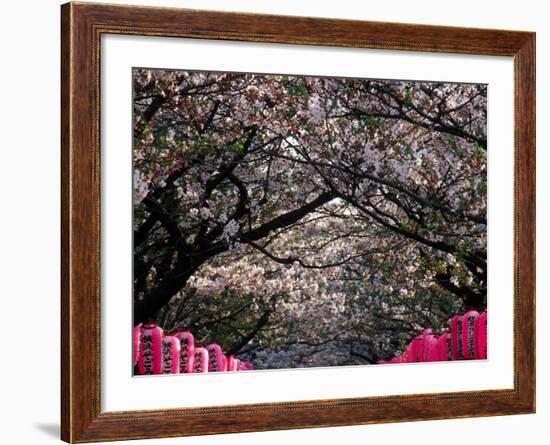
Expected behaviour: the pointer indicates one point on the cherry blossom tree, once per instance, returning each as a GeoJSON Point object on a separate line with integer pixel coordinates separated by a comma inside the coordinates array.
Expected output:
{"type": "Point", "coordinates": [307, 221]}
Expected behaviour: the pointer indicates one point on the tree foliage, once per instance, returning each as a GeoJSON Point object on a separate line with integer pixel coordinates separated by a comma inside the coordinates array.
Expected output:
{"type": "Point", "coordinates": [306, 221]}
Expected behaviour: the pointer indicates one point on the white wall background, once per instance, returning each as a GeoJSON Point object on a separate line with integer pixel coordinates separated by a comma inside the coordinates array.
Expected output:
{"type": "Point", "coordinates": [29, 217]}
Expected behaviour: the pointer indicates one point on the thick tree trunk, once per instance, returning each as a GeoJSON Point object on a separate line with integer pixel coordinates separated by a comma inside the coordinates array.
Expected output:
{"type": "Point", "coordinates": [173, 282]}
{"type": "Point", "coordinates": [145, 309]}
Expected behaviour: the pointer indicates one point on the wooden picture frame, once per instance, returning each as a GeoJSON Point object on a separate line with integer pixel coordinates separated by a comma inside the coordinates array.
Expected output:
{"type": "Point", "coordinates": [82, 26]}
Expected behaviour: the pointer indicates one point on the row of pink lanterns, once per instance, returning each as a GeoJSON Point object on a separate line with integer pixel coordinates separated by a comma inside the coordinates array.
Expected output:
{"type": "Point", "coordinates": [467, 340]}
{"type": "Point", "coordinates": [157, 353]}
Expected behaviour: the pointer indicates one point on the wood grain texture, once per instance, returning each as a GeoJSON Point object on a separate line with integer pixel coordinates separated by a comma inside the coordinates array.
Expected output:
{"type": "Point", "coordinates": [82, 26]}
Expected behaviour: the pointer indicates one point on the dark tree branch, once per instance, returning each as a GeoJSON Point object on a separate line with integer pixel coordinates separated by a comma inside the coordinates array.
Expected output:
{"type": "Point", "coordinates": [189, 262]}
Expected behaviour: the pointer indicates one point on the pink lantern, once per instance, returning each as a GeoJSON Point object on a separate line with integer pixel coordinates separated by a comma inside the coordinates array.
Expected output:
{"type": "Point", "coordinates": [468, 323]}
{"type": "Point", "coordinates": [200, 360]}
{"type": "Point", "coordinates": [480, 336]}
{"type": "Point", "coordinates": [416, 351]}
{"type": "Point", "coordinates": [237, 365]}
{"type": "Point", "coordinates": [429, 346]}
{"type": "Point", "coordinates": [444, 347]}
{"type": "Point", "coordinates": [187, 351]}
{"type": "Point", "coordinates": [232, 363]}
{"type": "Point", "coordinates": [170, 355]}
{"type": "Point", "coordinates": [136, 342]}
{"type": "Point", "coordinates": [456, 337]}
{"type": "Point", "coordinates": [150, 357]}
{"type": "Point", "coordinates": [216, 358]}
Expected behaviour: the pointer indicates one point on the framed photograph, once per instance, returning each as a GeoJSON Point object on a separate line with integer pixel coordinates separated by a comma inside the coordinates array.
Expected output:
{"type": "Point", "coordinates": [274, 222]}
